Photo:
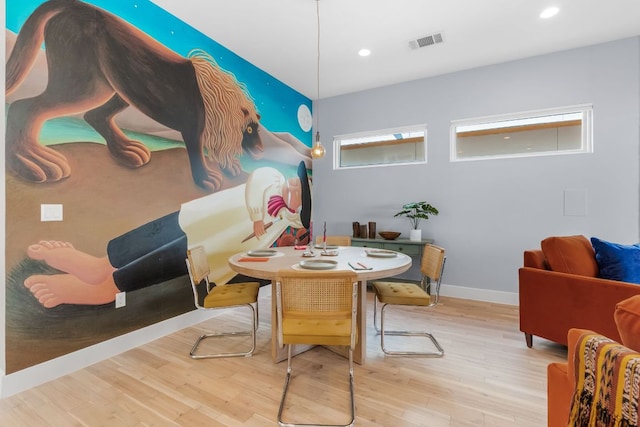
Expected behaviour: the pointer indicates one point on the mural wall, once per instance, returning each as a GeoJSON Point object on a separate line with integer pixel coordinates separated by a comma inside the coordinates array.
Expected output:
{"type": "Point", "coordinates": [152, 138]}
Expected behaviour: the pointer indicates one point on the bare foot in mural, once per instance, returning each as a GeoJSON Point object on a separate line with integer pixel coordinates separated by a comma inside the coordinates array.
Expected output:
{"type": "Point", "coordinates": [63, 256]}
{"type": "Point", "coordinates": [58, 289]}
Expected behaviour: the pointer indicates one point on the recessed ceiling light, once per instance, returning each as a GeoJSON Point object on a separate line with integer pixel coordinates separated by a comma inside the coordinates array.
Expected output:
{"type": "Point", "coordinates": [364, 52]}
{"type": "Point", "coordinates": [549, 12]}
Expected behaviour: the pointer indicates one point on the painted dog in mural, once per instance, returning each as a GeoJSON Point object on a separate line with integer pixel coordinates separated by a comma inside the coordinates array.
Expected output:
{"type": "Point", "coordinates": [98, 65]}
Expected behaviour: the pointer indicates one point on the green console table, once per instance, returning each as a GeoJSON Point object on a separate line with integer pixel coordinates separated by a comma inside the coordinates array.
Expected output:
{"type": "Point", "coordinates": [406, 246]}
{"type": "Point", "coordinates": [413, 248]}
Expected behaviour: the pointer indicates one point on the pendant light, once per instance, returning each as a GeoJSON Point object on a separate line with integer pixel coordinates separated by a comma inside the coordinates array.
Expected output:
{"type": "Point", "coordinates": [317, 152]}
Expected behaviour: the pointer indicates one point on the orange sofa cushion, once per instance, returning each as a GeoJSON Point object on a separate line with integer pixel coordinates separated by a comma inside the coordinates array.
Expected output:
{"type": "Point", "coordinates": [570, 254]}
{"type": "Point", "coordinates": [627, 317]}
{"type": "Point", "coordinates": [534, 258]}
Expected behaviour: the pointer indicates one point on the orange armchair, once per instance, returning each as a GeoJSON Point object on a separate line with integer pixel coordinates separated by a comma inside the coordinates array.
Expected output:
{"type": "Point", "coordinates": [561, 377]}
{"type": "Point", "coordinates": [561, 383]}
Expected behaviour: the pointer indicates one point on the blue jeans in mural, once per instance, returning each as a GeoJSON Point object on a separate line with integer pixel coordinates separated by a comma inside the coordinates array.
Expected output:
{"type": "Point", "coordinates": [150, 254]}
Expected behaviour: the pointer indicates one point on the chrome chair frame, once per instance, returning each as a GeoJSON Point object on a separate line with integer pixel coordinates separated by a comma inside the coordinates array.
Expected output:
{"type": "Point", "coordinates": [284, 274]}
{"type": "Point", "coordinates": [198, 269]}
{"type": "Point", "coordinates": [429, 272]}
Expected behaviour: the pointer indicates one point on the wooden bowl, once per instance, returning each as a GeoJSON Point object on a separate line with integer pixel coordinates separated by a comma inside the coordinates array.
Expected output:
{"type": "Point", "coordinates": [389, 235]}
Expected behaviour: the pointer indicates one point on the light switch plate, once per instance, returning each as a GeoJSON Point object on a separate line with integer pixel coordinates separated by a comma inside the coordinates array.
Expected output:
{"type": "Point", "coordinates": [121, 299]}
{"type": "Point", "coordinates": [50, 212]}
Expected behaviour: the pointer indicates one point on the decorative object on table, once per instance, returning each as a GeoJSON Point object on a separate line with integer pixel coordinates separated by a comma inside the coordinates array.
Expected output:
{"type": "Point", "coordinates": [356, 229]}
{"type": "Point", "coordinates": [363, 230]}
{"type": "Point", "coordinates": [324, 232]}
{"type": "Point", "coordinates": [372, 230]}
{"type": "Point", "coordinates": [389, 235]}
{"type": "Point", "coordinates": [416, 212]}
{"type": "Point", "coordinates": [324, 237]}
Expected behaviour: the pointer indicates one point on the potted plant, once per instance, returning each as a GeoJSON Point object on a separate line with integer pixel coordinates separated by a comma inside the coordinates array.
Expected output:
{"type": "Point", "coordinates": [416, 212]}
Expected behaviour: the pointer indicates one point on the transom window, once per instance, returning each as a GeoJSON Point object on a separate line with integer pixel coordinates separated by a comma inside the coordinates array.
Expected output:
{"type": "Point", "coordinates": [558, 131]}
{"type": "Point", "coordinates": [383, 147]}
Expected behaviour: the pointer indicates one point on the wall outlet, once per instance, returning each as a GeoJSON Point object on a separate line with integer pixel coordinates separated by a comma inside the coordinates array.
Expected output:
{"type": "Point", "coordinates": [51, 212]}
{"type": "Point", "coordinates": [121, 299]}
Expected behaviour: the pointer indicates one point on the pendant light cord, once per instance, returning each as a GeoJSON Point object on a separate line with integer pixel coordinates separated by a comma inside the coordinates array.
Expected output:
{"type": "Point", "coordinates": [317, 151]}
{"type": "Point", "coordinates": [318, 64]}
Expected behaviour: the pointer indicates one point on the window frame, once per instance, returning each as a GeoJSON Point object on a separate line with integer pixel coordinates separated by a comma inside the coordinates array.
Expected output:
{"type": "Point", "coordinates": [337, 146]}
{"type": "Point", "coordinates": [586, 144]}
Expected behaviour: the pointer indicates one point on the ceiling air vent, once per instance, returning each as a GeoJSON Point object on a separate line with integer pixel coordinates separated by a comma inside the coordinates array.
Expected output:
{"type": "Point", "coordinates": [425, 41]}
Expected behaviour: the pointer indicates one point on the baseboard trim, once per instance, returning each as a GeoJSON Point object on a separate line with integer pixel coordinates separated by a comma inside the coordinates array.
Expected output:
{"type": "Point", "coordinates": [63, 365]}
{"type": "Point", "coordinates": [486, 295]}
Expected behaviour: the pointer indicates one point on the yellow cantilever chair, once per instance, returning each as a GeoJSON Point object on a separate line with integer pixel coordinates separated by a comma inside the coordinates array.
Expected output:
{"type": "Point", "coordinates": [335, 240]}
{"type": "Point", "coordinates": [218, 297]}
{"type": "Point", "coordinates": [317, 308]}
{"type": "Point", "coordinates": [426, 294]}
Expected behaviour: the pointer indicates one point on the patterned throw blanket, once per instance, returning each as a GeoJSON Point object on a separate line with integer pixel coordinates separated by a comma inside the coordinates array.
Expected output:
{"type": "Point", "coordinates": [607, 384]}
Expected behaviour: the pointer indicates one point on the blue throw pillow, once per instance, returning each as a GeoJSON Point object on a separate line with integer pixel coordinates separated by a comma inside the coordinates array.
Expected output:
{"type": "Point", "coordinates": [616, 261]}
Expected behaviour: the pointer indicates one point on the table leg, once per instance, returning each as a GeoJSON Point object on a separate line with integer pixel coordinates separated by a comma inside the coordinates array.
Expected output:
{"type": "Point", "coordinates": [277, 354]}
{"type": "Point", "coordinates": [360, 352]}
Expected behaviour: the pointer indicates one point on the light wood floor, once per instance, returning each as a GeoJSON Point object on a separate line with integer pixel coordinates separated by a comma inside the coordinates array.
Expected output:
{"type": "Point", "coordinates": [487, 377]}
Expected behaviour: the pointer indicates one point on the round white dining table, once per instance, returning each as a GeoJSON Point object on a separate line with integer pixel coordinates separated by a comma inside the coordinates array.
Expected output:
{"type": "Point", "coordinates": [367, 263]}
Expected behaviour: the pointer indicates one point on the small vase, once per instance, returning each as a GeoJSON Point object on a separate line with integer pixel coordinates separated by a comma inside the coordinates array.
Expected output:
{"type": "Point", "coordinates": [415, 235]}
{"type": "Point", "coordinates": [372, 230]}
{"type": "Point", "coordinates": [356, 229]}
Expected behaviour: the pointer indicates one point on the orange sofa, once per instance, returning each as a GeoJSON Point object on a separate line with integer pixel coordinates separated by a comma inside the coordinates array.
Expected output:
{"type": "Point", "coordinates": [561, 377]}
{"type": "Point", "coordinates": [560, 289]}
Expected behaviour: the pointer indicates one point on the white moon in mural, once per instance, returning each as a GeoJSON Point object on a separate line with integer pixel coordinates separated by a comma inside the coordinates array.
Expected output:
{"type": "Point", "coordinates": [304, 118]}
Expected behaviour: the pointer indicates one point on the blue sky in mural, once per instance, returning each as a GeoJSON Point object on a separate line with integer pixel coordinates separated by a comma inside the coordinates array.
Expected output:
{"type": "Point", "coordinates": [277, 103]}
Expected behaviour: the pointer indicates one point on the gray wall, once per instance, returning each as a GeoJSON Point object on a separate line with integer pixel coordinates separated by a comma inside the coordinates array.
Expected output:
{"type": "Point", "coordinates": [490, 211]}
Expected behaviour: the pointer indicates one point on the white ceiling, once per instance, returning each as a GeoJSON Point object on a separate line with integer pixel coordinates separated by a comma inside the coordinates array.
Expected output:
{"type": "Point", "coordinates": [280, 36]}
